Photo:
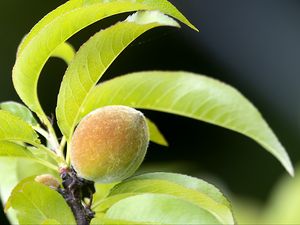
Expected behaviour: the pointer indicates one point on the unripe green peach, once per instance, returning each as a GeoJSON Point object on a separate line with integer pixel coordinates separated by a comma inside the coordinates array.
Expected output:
{"type": "Point", "coordinates": [109, 144]}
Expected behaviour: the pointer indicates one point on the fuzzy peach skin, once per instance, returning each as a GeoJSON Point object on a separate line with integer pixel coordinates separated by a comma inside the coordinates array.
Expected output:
{"type": "Point", "coordinates": [109, 144]}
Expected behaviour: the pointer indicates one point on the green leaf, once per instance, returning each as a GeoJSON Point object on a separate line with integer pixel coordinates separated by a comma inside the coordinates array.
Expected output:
{"type": "Point", "coordinates": [102, 191]}
{"type": "Point", "coordinates": [11, 216]}
{"type": "Point", "coordinates": [105, 221]}
{"type": "Point", "coordinates": [36, 203]}
{"type": "Point", "coordinates": [13, 128]}
{"type": "Point", "coordinates": [160, 209]}
{"type": "Point", "coordinates": [102, 205]}
{"type": "Point", "coordinates": [59, 25]}
{"type": "Point", "coordinates": [88, 65]}
{"type": "Point", "coordinates": [194, 96]}
{"type": "Point", "coordinates": [155, 135]}
{"type": "Point", "coordinates": [64, 51]}
{"type": "Point", "coordinates": [87, 7]}
{"type": "Point", "coordinates": [16, 189]}
{"type": "Point", "coordinates": [10, 149]}
{"type": "Point", "coordinates": [50, 222]}
{"type": "Point", "coordinates": [190, 189]}
{"type": "Point", "coordinates": [19, 110]}
{"type": "Point", "coordinates": [187, 182]}
{"type": "Point", "coordinates": [19, 168]}
{"type": "Point", "coordinates": [13, 150]}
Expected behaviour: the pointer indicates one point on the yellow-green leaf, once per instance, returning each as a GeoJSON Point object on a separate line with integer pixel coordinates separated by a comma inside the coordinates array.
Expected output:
{"type": "Point", "coordinates": [102, 220]}
{"type": "Point", "coordinates": [59, 25]}
{"type": "Point", "coordinates": [50, 222]}
{"type": "Point", "coordinates": [191, 95]}
{"type": "Point", "coordinates": [19, 168]}
{"type": "Point", "coordinates": [187, 182]}
{"type": "Point", "coordinates": [14, 150]}
{"type": "Point", "coordinates": [19, 110]}
{"type": "Point", "coordinates": [159, 209]}
{"type": "Point", "coordinates": [13, 128]}
{"type": "Point", "coordinates": [190, 189]}
{"type": "Point", "coordinates": [102, 191]}
{"type": "Point", "coordinates": [155, 134]}
{"type": "Point", "coordinates": [10, 149]}
{"type": "Point", "coordinates": [36, 203]}
{"type": "Point", "coordinates": [64, 51]}
{"type": "Point", "coordinates": [93, 59]}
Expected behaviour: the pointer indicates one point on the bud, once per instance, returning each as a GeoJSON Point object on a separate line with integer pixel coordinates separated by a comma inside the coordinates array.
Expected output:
{"type": "Point", "coordinates": [48, 180]}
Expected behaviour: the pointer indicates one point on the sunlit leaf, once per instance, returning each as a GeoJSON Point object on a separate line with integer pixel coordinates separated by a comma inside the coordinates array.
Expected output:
{"type": "Point", "coordinates": [88, 7]}
{"type": "Point", "coordinates": [12, 216]}
{"type": "Point", "coordinates": [64, 51]}
{"type": "Point", "coordinates": [104, 204]}
{"type": "Point", "coordinates": [19, 169]}
{"type": "Point", "coordinates": [187, 182]}
{"type": "Point", "coordinates": [93, 59]}
{"type": "Point", "coordinates": [161, 209]}
{"type": "Point", "coordinates": [198, 192]}
{"type": "Point", "coordinates": [13, 150]}
{"type": "Point", "coordinates": [155, 135]}
{"type": "Point", "coordinates": [50, 222]}
{"type": "Point", "coordinates": [102, 220]}
{"type": "Point", "coordinates": [102, 191]}
{"type": "Point", "coordinates": [36, 203]}
{"type": "Point", "coordinates": [13, 128]}
{"type": "Point", "coordinates": [19, 110]}
{"type": "Point", "coordinates": [10, 149]}
{"type": "Point", "coordinates": [59, 25]}
{"type": "Point", "coordinates": [195, 96]}
{"type": "Point", "coordinates": [16, 189]}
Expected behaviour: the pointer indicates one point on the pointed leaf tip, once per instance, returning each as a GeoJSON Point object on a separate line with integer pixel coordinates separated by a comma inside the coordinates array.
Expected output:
{"type": "Point", "coordinates": [146, 17]}
{"type": "Point", "coordinates": [194, 96]}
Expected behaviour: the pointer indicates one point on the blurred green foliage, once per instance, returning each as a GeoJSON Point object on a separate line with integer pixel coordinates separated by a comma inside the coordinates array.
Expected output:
{"type": "Point", "coordinates": [282, 206]}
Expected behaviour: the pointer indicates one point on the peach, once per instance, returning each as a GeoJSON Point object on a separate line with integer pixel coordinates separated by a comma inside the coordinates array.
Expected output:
{"type": "Point", "coordinates": [109, 144]}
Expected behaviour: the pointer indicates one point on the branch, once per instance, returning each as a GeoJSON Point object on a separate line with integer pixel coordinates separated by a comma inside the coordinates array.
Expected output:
{"type": "Point", "coordinates": [74, 191]}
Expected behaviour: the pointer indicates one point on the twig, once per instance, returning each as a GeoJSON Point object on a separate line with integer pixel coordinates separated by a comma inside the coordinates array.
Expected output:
{"type": "Point", "coordinates": [74, 191]}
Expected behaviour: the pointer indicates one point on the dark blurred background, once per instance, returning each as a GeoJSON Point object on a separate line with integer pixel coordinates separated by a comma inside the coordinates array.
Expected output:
{"type": "Point", "coordinates": [252, 45]}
